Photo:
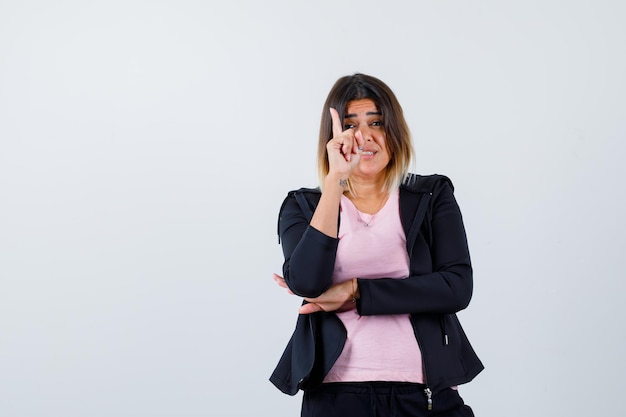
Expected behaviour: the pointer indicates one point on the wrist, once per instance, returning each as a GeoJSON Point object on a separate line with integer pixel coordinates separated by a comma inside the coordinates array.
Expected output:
{"type": "Point", "coordinates": [355, 290]}
{"type": "Point", "coordinates": [336, 182]}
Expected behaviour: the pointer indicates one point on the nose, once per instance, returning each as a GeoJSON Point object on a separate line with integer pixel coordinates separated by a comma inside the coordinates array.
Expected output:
{"type": "Point", "coordinates": [366, 132]}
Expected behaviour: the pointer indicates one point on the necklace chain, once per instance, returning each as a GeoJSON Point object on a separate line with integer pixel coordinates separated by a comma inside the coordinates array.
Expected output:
{"type": "Point", "coordinates": [380, 206]}
{"type": "Point", "coordinates": [363, 222]}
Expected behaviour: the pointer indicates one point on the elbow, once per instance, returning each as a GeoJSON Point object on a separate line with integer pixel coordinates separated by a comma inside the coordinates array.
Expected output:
{"type": "Point", "coordinates": [461, 285]}
{"type": "Point", "coordinates": [305, 284]}
{"type": "Point", "coordinates": [464, 300]}
{"type": "Point", "coordinates": [305, 290]}
{"type": "Point", "coordinates": [459, 301]}
{"type": "Point", "coordinates": [464, 293]}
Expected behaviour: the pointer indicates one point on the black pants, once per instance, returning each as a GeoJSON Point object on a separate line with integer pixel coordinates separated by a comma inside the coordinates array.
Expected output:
{"type": "Point", "coordinates": [381, 399]}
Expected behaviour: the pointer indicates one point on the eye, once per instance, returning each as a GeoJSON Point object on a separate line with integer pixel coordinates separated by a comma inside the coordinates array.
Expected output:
{"type": "Point", "coordinates": [349, 126]}
{"type": "Point", "coordinates": [377, 123]}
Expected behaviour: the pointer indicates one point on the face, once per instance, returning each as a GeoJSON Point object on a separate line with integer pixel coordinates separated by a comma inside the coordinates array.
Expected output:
{"type": "Point", "coordinates": [364, 117]}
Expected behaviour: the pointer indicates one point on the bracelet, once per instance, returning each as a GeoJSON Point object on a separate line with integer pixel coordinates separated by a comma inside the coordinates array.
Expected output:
{"type": "Point", "coordinates": [355, 288]}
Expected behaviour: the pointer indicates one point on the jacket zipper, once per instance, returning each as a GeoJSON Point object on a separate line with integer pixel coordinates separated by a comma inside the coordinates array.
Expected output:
{"type": "Point", "coordinates": [429, 398]}
{"type": "Point", "coordinates": [427, 391]}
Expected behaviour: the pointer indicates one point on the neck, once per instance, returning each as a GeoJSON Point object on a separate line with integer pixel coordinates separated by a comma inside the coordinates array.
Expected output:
{"type": "Point", "coordinates": [366, 190]}
{"type": "Point", "coordinates": [368, 197]}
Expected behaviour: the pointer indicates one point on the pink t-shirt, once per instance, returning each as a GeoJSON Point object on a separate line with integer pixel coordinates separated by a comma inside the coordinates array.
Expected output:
{"type": "Point", "coordinates": [381, 347]}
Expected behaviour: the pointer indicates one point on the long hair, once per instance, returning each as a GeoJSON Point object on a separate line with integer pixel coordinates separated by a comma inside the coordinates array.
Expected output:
{"type": "Point", "coordinates": [398, 138]}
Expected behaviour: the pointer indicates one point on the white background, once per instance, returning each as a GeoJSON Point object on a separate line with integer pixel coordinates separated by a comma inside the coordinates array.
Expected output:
{"type": "Point", "coordinates": [146, 147]}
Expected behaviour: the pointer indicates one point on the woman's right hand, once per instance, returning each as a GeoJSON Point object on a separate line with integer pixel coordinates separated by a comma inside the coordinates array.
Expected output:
{"type": "Point", "coordinates": [343, 149]}
{"type": "Point", "coordinates": [343, 156]}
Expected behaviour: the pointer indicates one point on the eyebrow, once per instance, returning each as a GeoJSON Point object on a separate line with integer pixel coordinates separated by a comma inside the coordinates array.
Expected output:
{"type": "Point", "coordinates": [369, 113]}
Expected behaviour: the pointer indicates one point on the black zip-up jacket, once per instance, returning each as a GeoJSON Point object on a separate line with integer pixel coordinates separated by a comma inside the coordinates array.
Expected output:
{"type": "Point", "coordinates": [439, 285]}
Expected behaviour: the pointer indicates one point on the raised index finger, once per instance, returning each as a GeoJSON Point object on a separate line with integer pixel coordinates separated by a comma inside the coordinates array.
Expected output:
{"type": "Point", "coordinates": [337, 128]}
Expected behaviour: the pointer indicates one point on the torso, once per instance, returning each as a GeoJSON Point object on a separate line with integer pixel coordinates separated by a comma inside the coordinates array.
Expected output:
{"type": "Point", "coordinates": [373, 245]}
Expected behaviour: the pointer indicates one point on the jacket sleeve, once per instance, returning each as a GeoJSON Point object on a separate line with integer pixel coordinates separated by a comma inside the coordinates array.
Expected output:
{"type": "Point", "coordinates": [309, 254]}
{"type": "Point", "coordinates": [444, 286]}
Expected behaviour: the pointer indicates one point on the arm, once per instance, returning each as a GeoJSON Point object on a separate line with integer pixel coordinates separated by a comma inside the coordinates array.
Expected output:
{"type": "Point", "coordinates": [310, 249]}
{"type": "Point", "coordinates": [443, 287]}
{"type": "Point", "coordinates": [339, 297]}
{"type": "Point", "coordinates": [309, 254]}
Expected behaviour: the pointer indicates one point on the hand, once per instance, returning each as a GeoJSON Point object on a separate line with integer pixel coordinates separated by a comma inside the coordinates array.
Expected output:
{"type": "Point", "coordinates": [281, 282]}
{"type": "Point", "coordinates": [343, 149]}
{"type": "Point", "coordinates": [339, 297]}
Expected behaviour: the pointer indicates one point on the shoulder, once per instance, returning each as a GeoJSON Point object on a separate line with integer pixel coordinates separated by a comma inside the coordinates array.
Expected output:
{"type": "Point", "coordinates": [301, 200]}
{"type": "Point", "coordinates": [426, 183]}
{"type": "Point", "coordinates": [312, 195]}
{"type": "Point", "coordinates": [307, 191]}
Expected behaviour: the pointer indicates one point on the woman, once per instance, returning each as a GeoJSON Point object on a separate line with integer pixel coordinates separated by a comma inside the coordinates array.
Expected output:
{"type": "Point", "coordinates": [380, 258]}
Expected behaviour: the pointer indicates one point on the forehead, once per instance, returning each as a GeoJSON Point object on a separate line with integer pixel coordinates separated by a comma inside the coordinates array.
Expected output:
{"type": "Point", "coordinates": [360, 107]}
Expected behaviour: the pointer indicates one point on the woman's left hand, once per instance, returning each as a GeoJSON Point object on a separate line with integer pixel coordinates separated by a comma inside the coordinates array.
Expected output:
{"type": "Point", "coordinates": [339, 297]}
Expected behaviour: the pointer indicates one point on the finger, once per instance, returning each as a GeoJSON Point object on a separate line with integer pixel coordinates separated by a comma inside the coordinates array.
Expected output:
{"type": "Point", "coordinates": [354, 160]}
{"type": "Point", "coordinates": [337, 128]}
{"type": "Point", "coordinates": [359, 142]}
{"type": "Point", "coordinates": [310, 308]}
{"type": "Point", "coordinates": [354, 155]}
{"type": "Point", "coordinates": [281, 283]}
{"type": "Point", "coordinates": [279, 280]}
{"type": "Point", "coordinates": [348, 144]}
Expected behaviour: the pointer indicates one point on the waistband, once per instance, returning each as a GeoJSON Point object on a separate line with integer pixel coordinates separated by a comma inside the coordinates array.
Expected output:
{"type": "Point", "coordinates": [377, 387]}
